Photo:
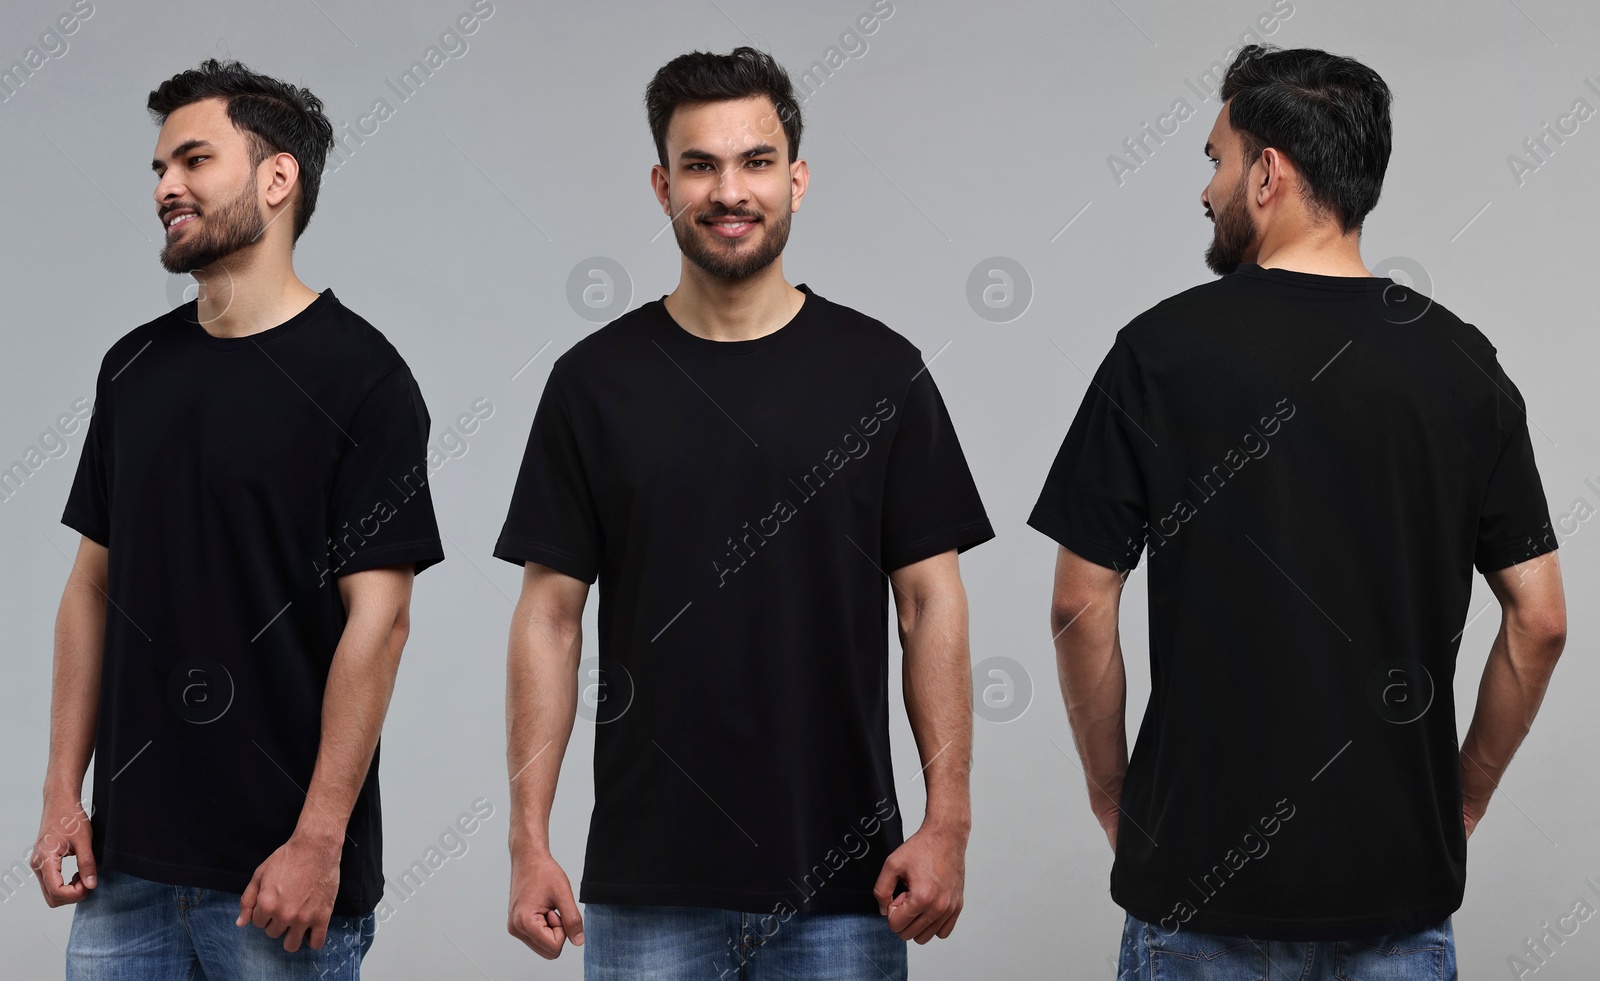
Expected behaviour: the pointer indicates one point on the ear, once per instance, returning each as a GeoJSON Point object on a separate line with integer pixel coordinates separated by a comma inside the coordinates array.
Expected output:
{"type": "Point", "coordinates": [800, 178]}
{"type": "Point", "coordinates": [282, 173]}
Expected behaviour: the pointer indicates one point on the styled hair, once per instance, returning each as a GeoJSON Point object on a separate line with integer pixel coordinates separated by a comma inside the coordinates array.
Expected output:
{"type": "Point", "coordinates": [1327, 113]}
{"type": "Point", "coordinates": [275, 116]}
{"type": "Point", "coordinates": [700, 77]}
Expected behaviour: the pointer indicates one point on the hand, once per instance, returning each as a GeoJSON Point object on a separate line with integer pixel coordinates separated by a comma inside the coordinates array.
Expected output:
{"type": "Point", "coordinates": [543, 913]}
{"type": "Point", "coordinates": [63, 830]}
{"type": "Point", "coordinates": [1471, 814]}
{"type": "Point", "coordinates": [292, 893]}
{"type": "Point", "coordinates": [1109, 820]}
{"type": "Point", "coordinates": [932, 863]}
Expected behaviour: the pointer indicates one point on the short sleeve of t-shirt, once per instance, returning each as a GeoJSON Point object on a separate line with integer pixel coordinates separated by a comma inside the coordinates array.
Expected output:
{"type": "Point", "coordinates": [1093, 501]}
{"type": "Point", "coordinates": [931, 502]}
{"type": "Point", "coordinates": [88, 509]}
{"type": "Point", "coordinates": [1514, 522]}
{"type": "Point", "coordinates": [383, 477]}
{"type": "Point", "coordinates": [552, 519]}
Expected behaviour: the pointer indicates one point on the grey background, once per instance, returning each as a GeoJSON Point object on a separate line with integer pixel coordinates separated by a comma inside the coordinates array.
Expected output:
{"type": "Point", "coordinates": [961, 132]}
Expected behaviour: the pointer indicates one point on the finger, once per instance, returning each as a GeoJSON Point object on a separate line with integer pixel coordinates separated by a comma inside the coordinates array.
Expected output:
{"type": "Point", "coordinates": [902, 913]}
{"type": "Point", "coordinates": [883, 888]}
{"type": "Point", "coordinates": [247, 902]}
{"type": "Point", "coordinates": [318, 935]}
{"type": "Point", "coordinates": [949, 924]}
{"type": "Point", "coordinates": [86, 863]}
{"type": "Point", "coordinates": [537, 934]}
{"type": "Point", "coordinates": [293, 933]}
{"type": "Point", "coordinates": [571, 917]}
{"type": "Point", "coordinates": [55, 891]}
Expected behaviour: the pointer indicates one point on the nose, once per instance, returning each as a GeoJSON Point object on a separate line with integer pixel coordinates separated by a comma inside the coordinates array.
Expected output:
{"type": "Point", "coordinates": [730, 191]}
{"type": "Point", "coordinates": [168, 188]}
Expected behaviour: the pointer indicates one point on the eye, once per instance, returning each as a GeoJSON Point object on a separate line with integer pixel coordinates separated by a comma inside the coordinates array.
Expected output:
{"type": "Point", "coordinates": [197, 158]}
{"type": "Point", "coordinates": [763, 163]}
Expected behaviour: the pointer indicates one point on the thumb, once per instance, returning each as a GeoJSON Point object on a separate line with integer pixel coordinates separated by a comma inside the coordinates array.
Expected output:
{"type": "Point", "coordinates": [571, 917]}
{"type": "Point", "coordinates": [86, 865]}
{"type": "Point", "coordinates": [247, 902]}
{"type": "Point", "coordinates": [883, 889]}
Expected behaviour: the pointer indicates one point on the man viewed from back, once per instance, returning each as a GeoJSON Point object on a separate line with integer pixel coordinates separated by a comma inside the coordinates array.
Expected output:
{"type": "Point", "coordinates": [253, 503]}
{"type": "Point", "coordinates": [746, 468]}
{"type": "Point", "coordinates": [1316, 459]}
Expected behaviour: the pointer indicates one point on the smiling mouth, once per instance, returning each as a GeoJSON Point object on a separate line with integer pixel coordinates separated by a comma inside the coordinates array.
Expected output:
{"type": "Point", "coordinates": [732, 227]}
{"type": "Point", "coordinates": [180, 221]}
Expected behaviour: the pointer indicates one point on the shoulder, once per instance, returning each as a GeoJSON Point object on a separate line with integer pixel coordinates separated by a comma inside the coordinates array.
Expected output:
{"type": "Point", "coordinates": [868, 340]}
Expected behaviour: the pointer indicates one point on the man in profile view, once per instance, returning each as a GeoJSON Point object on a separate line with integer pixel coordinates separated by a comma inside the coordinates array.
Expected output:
{"type": "Point", "coordinates": [253, 505]}
{"type": "Point", "coordinates": [1315, 459]}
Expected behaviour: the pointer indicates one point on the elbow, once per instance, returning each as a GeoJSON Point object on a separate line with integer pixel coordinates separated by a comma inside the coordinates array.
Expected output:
{"type": "Point", "coordinates": [1067, 609]}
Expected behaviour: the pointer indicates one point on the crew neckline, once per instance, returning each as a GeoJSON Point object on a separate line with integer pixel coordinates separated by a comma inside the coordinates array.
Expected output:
{"type": "Point", "coordinates": [191, 321]}
{"type": "Point", "coordinates": [753, 345]}
{"type": "Point", "coordinates": [1294, 277]}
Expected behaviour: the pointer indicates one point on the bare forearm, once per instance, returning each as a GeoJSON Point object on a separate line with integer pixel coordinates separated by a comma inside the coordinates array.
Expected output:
{"type": "Point", "coordinates": [1514, 682]}
{"type": "Point", "coordinates": [937, 677]}
{"type": "Point", "coordinates": [355, 702]}
{"type": "Point", "coordinates": [1094, 689]}
{"type": "Point", "coordinates": [75, 685]}
{"type": "Point", "coordinates": [541, 704]}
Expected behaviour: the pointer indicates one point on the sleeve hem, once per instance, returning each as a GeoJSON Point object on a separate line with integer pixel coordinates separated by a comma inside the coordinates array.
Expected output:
{"type": "Point", "coordinates": [1513, 553]}
{"type": "Point", "coordinates": [423, 553]}
{"type": "Point", "coordinates": [91, 530]}
{"type": "Point", "coordinates": [960, 537]}
{"type": "Point", "coordinates": [1051, 525]}
{"type": "Point", "coordinates": [519, 552]}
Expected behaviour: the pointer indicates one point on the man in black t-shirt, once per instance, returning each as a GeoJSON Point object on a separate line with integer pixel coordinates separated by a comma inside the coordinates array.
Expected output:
{"type": "Point", "coordinates": [253, 501]}
{"type": "Point", "coordinates": [1315, 459]}
{"type": "Point", "coordinates": [747, 469]}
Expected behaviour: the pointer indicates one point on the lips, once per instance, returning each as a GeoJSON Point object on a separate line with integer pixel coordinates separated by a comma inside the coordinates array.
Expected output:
{"type": "Point", "coordinates": [732, 227]}
{"type": "Point", "coordinates": [178, 217]}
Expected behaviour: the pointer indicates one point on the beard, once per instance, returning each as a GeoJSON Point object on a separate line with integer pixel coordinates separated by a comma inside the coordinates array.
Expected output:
{"type": "Point", "coordinates": [722, 257]}
{"type": "Point", "coordinates": [1233, 235]}
{"type": "Point", "coordinates": [224, 230]}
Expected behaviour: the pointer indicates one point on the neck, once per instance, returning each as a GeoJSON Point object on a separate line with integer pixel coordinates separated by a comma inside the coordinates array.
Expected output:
{"type": "Point", "coordinates": [733, 310]}
{"type": "Point", "coordinates": [1322, 250]}
{"type": "Point", "coordinates": [246, 293]}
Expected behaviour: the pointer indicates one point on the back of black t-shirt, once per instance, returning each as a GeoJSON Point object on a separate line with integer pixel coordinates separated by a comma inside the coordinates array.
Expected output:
{"type": "Point", "coordinates": [1315, 465]}
{"type": "Point", "coordinates": [233, 480]}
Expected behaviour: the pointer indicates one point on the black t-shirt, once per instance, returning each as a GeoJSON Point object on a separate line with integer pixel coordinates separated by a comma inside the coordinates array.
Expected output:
{"type": "Point", "coordinates": [233, 480]}
{"type": "Point", "coordinates": [740, 503]}
{"type": "Point", "coordinates": [1316, 464]}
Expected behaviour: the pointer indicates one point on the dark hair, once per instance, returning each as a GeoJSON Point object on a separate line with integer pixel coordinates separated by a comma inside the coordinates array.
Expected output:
{"type": "Point", "coordinates": [276, 116]}
{"type": "Point", "coordinates": [1328, 114]}
{"type": "Point", "coordinates": [700, 77]}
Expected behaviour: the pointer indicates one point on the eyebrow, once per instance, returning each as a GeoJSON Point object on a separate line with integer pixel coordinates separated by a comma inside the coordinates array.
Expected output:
{"type": "Point", "coordinates": [180, 150]}
{"type": "Point", "coordinates": [760, 149]}
{"type": "Point", "coordinates": [1209, 149]}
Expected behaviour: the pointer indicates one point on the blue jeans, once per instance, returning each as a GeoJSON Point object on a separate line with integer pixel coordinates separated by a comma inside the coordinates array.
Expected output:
{"type": "Point", "coordinates": [1149, 953]}
{"type": "Point", "coordinates": [132, 929]}
{"type": "Point", "coordinates": [692, 943]}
